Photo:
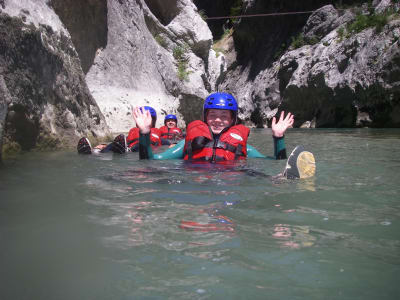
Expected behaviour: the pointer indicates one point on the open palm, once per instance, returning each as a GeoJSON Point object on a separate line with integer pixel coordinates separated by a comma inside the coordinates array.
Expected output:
{"type": "Point", "coordinates": [143, 119]}
{"type": "Point", "coordinates": [279, 128]}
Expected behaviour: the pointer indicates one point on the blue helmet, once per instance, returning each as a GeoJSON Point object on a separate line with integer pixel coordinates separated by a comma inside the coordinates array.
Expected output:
{"type": "Point", "coordinates": [170, 117]}
{"type": "Point", "coordinates": [221, 101]}
{"type": "Point", "coordinates": [152, 111]}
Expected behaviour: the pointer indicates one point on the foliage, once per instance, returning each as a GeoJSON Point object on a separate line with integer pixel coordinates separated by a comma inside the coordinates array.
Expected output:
{"type": "Point", "coordinates": [341, 33]}
{"type": "Point", "coordinates": [10, 149]}
{"type": "Point", "coordinates": [47, 142]}
{"type": "Point", "coordinates": [161, 40]}
{"type": "Point", "coordinates": [366, 21]}
{"type": "Point", "coordinates": [218, 51]}
{"type": "Point", "coordinates": [279, 52]}
{"type": "Point", "coordinates": [183, 73]}
{"type": "Point", "coordinates": [202, 14]}
{"type": "Point", "coordinates": [236, 10]}
{"type": "Point", "coordinates": [227, 32]}
{"type": "Point", "coordinates": [313, 40]}
{"type": "Point", "coordinates": [298, 41]}
{"type": "Point", "coordinates": [179, 53]}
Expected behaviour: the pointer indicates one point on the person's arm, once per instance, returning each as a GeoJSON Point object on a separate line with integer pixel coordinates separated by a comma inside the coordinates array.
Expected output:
{"type": "Point", "coordinates": [278, 132]}
{"type": "Point", "coordinates": [145, 151]}
{"type": "Point", "coordinates": [279, 148]}
{"type": "Point", "coordinates": [143, 122]}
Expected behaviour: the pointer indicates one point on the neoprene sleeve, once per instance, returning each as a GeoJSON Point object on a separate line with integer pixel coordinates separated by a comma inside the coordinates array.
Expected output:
{"type": "Point", "coordinates": [145, 151]}
{"type": "Point", "coordinates": [279, 147]}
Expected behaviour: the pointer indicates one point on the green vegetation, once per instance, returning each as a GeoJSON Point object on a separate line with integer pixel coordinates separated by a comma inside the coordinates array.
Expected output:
{"type": "Point", "coordinates": [47, 143]}
{"type": "Point", "coordinates": [341, 34]}
{"type": "Point", "coordinates": [298, 41]}
{"type": "Point", "coordinates": [227, 32]}
{"type": "Point", "coordinates": [202, 14]}
{"type": "Point", "coordinates": [366, 21]}
{"type": "Point", "coordinates": [218, 51]}
{"type": "Point", "coordinates": [161, 40]}
{"type": "Point", "coordinates": [10, 149]}
{"type": "Point", "coordinates": [218, 45]}
{"type": "Point", "coordinates": [363, 21]}
{"type": "Point", "coordinates": [236, 10]}
{"type": "Point", "coordinates": [179, 53]}
{"type": "Point", "coordinates": [279, 52]}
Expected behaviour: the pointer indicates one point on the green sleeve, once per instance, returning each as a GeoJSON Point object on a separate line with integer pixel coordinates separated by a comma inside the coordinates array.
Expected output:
{"type": "Point", "coordinates": [253, 152]}
{"type": "Point", "coordinates": [145, 151]}
{"type": "Point", "coordinates": [175, 152]}
{"type": "Point", "coordinates": [279, 148]}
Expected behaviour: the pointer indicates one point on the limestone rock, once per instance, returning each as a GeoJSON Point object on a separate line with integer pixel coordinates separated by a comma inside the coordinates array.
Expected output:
{"type": "Point", "coordinates": [332, 80]}
{"type": "Point", "coordinates": [157, 54]}
{"type": "Point", "coordinates": [50, 103]}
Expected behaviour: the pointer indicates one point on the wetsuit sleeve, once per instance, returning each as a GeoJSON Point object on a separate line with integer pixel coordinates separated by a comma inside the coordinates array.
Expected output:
{"type": "Point", "coordinates": [145, 151]}
{"type": "Point", "coordinates": [253, 152]}
{"type": "Point", "coordinates": [279, 148]}
{"type": "Point", "coordinates": [175, 152]}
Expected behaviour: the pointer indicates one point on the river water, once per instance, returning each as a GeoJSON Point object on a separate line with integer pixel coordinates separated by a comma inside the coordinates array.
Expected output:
{"type": "Point", "coordinates": [113, 227]}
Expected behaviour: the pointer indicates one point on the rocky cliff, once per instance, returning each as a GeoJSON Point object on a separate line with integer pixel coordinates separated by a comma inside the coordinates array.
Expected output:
{"type": "Point", "coordinates": [340, 68]}
{"type": "Point", "coordinates": [45, 101]}
{"type": "Point", "coordinates": [155, 53]}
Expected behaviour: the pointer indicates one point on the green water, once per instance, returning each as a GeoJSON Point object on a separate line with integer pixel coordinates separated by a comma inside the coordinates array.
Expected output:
{"type": "Point", "coordinates": [108, 226]}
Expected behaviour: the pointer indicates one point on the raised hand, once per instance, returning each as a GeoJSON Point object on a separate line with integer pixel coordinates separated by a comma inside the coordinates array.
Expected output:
{"type": "Point", "coordinates": [279, 128]}
{"type": "Point", "coordinates": [142, 118]}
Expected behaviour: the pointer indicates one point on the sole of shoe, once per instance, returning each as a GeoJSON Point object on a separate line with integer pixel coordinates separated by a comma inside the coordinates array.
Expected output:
{"type": "Point", "coordinates": [300, 164]}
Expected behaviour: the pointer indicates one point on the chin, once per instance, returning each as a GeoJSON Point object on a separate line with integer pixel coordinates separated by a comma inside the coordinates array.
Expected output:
{"type": "Point", "coordinates": [218, 131]}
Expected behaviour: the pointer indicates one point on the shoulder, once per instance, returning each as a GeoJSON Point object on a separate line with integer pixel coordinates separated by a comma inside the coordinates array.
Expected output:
{"type": "Point", "coordinates": [242, 129]}
{"type": "Point", "coordinates": [196, 123]}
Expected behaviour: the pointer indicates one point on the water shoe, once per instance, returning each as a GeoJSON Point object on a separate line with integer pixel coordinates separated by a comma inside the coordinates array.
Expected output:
{"type": "Point", "coordinates": [300, 164]}
{"type": "Point", "coordinates": [84, 146]}
{"type": "Point", "coordinates": [119, 144]}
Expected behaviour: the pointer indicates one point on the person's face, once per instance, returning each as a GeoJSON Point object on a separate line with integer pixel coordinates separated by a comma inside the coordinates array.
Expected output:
{"type": "Point", "coordinates": [218, 119]}
{"type": "Point", "coordinates": [170, 123]}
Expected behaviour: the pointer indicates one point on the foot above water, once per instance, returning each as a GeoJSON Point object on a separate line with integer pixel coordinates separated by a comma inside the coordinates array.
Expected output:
{"type": "Point", "coordinates": [300, 164]}
{"type": "Point", "coordinates": [84, 146]}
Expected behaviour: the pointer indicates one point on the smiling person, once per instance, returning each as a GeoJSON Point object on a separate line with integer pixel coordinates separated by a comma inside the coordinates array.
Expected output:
{"type": "Point", "coordinates": [219, 138]}
{"type": "Point", "coordinates": [170, 131]}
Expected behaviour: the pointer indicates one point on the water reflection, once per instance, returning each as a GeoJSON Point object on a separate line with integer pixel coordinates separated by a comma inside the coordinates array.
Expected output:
{"type": "Point", "coordinates": [294, 237]}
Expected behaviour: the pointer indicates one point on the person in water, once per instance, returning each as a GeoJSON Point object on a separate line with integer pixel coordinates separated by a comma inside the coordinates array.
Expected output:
{"type": "Point", "coordinates": [122, 144]}
{"type": "Point", "coordinates": [219, 138]}
{"type": "Point", "coordinates": [170, 131]}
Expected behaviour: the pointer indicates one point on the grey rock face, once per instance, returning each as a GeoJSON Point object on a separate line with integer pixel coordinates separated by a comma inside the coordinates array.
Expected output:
{"type": "Point", "coordinates": [157, 54]}
{"type": "Point", "coordinates": [343, 80]}
{"type": "Point", "coordinates": [50, 104]}
{"type": "Point", "coordinates": [5, 100]}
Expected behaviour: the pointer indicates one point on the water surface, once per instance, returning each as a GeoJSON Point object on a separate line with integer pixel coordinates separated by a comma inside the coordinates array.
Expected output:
{"type": "Point", "coordinates": [113, 227]}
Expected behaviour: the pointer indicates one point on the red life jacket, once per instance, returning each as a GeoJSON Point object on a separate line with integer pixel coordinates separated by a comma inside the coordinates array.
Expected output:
{"type": "Point", "coordinates": [200, 145]}
{"type": "Point", "coordinates": [170, 133]}
{"type": "Point", "coordinates": [133, 137]}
